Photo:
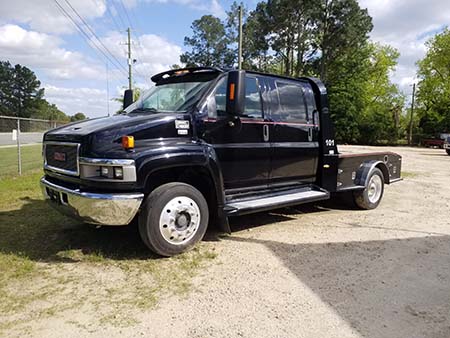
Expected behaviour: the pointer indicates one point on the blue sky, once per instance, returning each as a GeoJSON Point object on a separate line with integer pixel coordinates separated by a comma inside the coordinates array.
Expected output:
{"type": "Point", "coordinates": [37, 35]}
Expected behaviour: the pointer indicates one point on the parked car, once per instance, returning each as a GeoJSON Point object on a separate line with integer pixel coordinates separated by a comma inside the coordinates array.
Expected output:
{"type": "Point", "coordinates": [433, 143]}
{"type": "Point", "coordinates": [203, 145]}
{"type": "Point", "coordinates": [447, 145]}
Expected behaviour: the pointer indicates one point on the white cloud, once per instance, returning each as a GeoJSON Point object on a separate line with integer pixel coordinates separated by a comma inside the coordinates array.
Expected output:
{"type": "Point", "coordinates": [90, 101]}
{"type": "Point", "coordinates": [407, 25]}
{"type": "Point", "coordinates": [45, 16]}
{"type": "Point", "coordinates": [40, 51]}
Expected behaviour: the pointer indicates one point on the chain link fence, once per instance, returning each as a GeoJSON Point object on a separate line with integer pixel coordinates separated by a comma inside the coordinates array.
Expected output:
{"type": "Point", "coordinates": [21, 143]}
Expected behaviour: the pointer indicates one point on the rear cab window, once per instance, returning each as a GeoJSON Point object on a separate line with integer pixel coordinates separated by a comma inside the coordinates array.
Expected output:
{"type": "Point", "coordinates": [313, 113]}
{"type": "Point", "coordinates": [292, 103]}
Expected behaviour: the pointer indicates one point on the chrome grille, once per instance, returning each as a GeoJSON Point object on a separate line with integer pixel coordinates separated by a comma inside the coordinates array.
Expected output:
{"type": "Point", "coordinates": [62, 157]}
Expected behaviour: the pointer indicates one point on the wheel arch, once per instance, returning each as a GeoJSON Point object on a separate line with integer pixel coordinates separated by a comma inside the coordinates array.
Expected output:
{"type": "Point", "coordinates": [366, 169]}
{"type": "Point", "coordinates": [197, 169]}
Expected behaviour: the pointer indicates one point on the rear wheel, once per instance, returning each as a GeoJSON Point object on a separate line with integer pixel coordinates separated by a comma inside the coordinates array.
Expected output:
{"type": "Point", "coordinates": [173, 219]}
{"type": "Point", "coordinates": [370, 197]}
{"type": "Point", "coordinates": [448, 151]}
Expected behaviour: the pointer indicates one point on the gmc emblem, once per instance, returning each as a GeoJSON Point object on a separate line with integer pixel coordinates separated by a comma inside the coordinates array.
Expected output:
{"type": "Point", "coordinates": [59, 156]}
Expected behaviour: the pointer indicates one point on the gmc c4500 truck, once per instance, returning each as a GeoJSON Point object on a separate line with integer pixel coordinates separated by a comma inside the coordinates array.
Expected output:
{"type": "Point", "coordinates": [204, 145]}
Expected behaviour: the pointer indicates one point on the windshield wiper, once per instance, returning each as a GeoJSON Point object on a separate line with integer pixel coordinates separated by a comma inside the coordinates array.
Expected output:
{"type": "Point", "coordinates": [151, 109]}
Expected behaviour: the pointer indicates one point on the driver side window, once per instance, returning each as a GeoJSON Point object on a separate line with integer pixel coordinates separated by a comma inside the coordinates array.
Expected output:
{"type": "Point", "coordinates": [253, 104]}
{"type": "Point", "coordinates": [220, 98]}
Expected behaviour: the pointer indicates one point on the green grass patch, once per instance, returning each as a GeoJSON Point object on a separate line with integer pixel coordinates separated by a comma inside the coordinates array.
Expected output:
{"type": "Point", "coordinates": [50, 264]}
{"type": "Point", "coordinates": [31, 160]}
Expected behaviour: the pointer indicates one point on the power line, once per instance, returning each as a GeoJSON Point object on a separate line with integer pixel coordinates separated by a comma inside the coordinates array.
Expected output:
{"type": "Point", "coordinates": [124, 26]}
{"type": "Point", "coordinates": [135, 37]}
{"type": "Point", "coordinates": [83, 34]}
{"type": "Point", "coordinates": [126, 13]}
{"type": "Point", "coordinates": [94, 34]}
{"type": "Point", "coordinates": [108, 10]}
{"type": "Point", "coordinates": [114, 5]}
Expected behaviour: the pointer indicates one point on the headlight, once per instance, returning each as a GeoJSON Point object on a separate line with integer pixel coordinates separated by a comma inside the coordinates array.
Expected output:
{"type": "Point", "coordinates": [104, 172]}
{"type": "Point", "coordinates": [118, 173]}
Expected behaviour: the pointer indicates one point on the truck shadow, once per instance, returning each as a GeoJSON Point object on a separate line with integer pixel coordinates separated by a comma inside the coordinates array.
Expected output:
{"type": "Point", "coordinates": [40, 233]}
{"type": "Point", "coordinates": [386, 288]}
{"type": "Point", "coordinates": [342, 201]}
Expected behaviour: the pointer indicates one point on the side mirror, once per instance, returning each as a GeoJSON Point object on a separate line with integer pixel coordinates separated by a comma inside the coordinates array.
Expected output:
{"type": "Point", "coordinates": [127, 98]}
{"type": "Point", "coordinates": [236, 93]}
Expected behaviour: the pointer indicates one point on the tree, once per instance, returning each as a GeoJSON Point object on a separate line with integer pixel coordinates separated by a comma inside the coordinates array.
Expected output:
{"type": "Point", "coordinates": [208, 44]}
{"type": "Point", "coordinates": [433, 95]}
{"type": "Point", "coordinates": [380, 121]}
{"type": "Point", "coordinates": [342, 28]}
{"type": "Point", "coordinates": [78, 117]}
{"type": "Point", "coordinates": [47, 111]}
{"type": "Point", "coordinates": [21, 95]}
{"type": "Point", "coordinates": [6, 88]}
{"type": "Point", "coordinates": [19, 90]}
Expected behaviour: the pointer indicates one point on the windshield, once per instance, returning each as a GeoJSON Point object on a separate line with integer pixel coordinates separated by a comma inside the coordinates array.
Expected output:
{"type": "Point", "coordinates": [170, 97]}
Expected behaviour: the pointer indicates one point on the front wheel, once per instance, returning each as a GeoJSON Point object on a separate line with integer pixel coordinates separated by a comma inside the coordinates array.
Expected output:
{"type": "Point", "coordinates": [370, 197]}
{"type": "Point", "coordinates": [173, 219]}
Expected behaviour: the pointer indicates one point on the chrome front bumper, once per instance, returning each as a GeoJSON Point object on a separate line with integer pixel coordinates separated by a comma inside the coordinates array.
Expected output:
{"type": "Point", "coordinates": [94, 208]}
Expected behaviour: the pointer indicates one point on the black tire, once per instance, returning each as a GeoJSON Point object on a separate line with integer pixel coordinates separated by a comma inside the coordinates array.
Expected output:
{"type": "Point", "coordinates": [177, 201]}
{"type": "Point", "coordinates": [371, 196]}
{"type": "Point", "coordinates": [448, 151]}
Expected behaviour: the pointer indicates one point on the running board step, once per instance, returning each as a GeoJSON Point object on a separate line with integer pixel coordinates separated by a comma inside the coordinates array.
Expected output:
{"type": "Point", "coordinates": [292, 197]}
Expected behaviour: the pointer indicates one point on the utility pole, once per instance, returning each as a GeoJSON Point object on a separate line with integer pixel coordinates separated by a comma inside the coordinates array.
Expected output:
{"type": "Point", "coordinates": [240, 39]}
{"type": "Point", "coordinates": [412, 116]}
{"type": "Point", "coordinates": [130, 61]}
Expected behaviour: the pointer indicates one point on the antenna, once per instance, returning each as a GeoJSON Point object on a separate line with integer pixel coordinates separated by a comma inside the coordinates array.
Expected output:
{"type": "Point", "coordinates": [130, 61]}
{"type": "Point", "coordinates": [107, 88]}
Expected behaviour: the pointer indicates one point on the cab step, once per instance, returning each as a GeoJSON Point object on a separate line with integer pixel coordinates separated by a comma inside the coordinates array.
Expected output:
{"type": "Point", "coordinates": [239, 205]}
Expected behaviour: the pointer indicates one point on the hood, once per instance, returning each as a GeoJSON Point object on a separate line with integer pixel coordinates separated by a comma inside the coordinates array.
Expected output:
{"type": "Point", "coordinates": [100, 136]}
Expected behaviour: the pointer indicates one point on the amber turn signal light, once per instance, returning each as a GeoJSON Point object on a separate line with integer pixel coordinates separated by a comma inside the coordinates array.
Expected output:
{"type": "Point", "coordinates": [128, 142]}
{"type": "Point", "coordinates": [232, 88]}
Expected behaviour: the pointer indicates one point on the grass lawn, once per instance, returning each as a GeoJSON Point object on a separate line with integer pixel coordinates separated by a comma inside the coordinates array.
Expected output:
{"type": "Point", "coordinates": [52, 267]}
{"type": "Point", "coordinates": [31, 159]}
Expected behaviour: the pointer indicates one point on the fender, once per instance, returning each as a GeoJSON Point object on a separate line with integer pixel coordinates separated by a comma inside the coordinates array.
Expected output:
{"type": "Point", "coordinates": [366, 169]}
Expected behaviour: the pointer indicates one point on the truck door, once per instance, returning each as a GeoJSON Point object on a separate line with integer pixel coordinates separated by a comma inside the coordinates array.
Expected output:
{"type": "Point", "coordinates": [242, 148]}
{"type": "Point", "coordinates": [293, 135]}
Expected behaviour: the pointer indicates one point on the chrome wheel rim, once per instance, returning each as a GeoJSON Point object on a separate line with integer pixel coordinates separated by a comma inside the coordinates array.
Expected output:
{"type": "Point", "coordinates": [179, 220]}
{"type": "Point", "coordinates": [375, 189]}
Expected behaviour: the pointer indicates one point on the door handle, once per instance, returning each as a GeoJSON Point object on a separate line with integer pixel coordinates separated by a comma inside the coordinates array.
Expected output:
{"type": "Point", "coordinates": [266, 133]}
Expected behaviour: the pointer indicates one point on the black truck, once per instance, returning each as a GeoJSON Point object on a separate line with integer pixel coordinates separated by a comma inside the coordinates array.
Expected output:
{"type": "Point", "coordinates": [201, 146]}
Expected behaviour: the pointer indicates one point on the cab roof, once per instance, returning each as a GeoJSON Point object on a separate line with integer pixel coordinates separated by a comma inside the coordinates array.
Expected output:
{"type": "Point", "coordinates": [177, 73]}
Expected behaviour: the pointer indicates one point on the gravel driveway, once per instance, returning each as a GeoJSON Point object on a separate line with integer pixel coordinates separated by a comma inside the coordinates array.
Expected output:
{"type": "Point", "coordinates": [321, 270]}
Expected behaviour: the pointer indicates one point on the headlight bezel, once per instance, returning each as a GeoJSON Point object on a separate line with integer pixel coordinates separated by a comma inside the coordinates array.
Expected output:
{"type": "Point", "coordinates": [107, 170]}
